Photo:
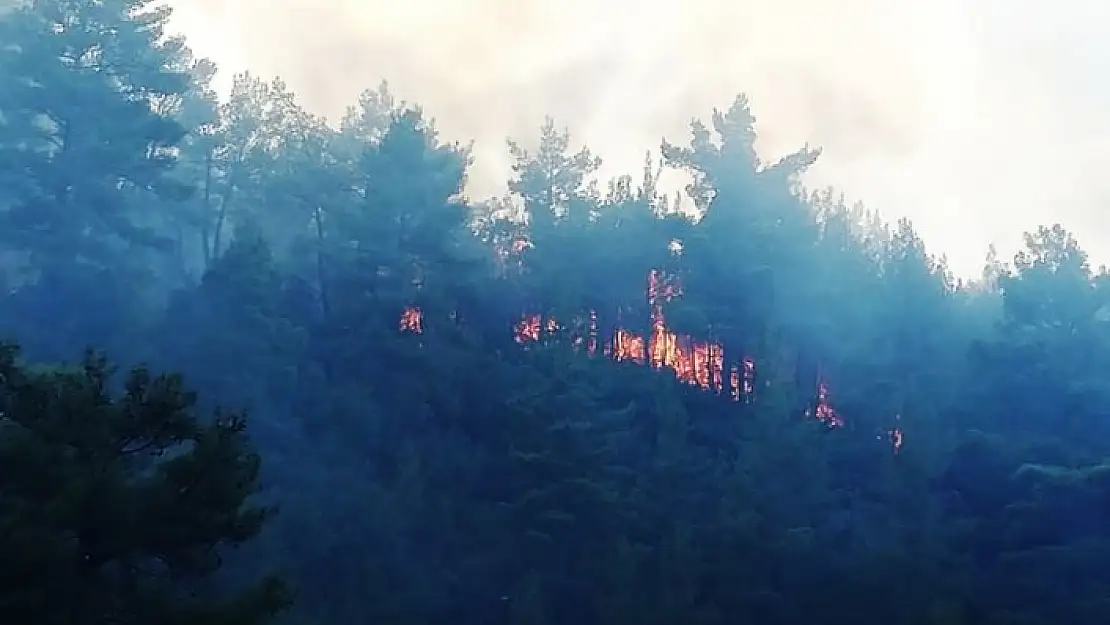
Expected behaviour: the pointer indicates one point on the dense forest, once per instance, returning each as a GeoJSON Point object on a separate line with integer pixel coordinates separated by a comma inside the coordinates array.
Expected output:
{"type": "Point", "coordinates": [322, 386]}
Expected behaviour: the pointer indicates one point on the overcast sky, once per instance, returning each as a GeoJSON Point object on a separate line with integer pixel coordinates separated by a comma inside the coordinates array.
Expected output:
{"type": "Point", "coordinates": [978, 119]}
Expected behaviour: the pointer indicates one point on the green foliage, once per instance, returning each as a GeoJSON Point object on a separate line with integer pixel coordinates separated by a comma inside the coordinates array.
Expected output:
{"type": "Point", "coordinates": [115, 506]}
{"type": "Point", "coordinates": [457, 422]}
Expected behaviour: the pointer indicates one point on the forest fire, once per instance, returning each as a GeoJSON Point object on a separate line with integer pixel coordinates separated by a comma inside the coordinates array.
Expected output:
{"type": "Point", "coordinates": [412, 320]}
{"type": "Point", "coordinates": [824, 411]}
{"type": "Point", "coordinates": [700, 364]}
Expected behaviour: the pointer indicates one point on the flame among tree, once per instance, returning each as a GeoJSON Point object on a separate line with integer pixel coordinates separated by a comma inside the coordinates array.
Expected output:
{"type": "Point", "coordinates": [698, 363]}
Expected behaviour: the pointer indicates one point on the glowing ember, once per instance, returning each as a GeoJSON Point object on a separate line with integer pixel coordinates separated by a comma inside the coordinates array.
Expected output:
{"type": "Point", "coordinates": [824, 411]}
{"type": "Point", "coordinates": [628, 346]}
{"type": "Point", "coordinates": [698, 364]}
{"type": "Point", "coordinates": [528, 329]}
{"type": "Point", "coordinates": [412, 320]}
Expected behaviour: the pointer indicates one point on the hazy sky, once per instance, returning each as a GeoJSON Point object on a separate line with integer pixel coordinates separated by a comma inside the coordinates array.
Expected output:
{"type": "Point", "coordinates": [977, 119]}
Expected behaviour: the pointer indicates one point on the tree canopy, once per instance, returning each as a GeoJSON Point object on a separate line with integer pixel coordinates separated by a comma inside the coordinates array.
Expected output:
{"type": "Point", "coordinates": [585, 402]}
{"type": "Point", "coordinates": [115, 505]}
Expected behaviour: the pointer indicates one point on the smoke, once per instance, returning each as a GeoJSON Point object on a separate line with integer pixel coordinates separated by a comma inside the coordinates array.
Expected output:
{"type": "Point", "coordinates": [976, 120]}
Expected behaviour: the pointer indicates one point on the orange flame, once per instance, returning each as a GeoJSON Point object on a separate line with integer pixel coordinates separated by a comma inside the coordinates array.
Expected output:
{"type": "Point", "coordinates": [699, 364]}
{"type": "Point", "coordinates": [412, 320]}
{"type": "Point", "coordinates": [528, 329]}
{"type": "Point", "coordinates": [824, 411]}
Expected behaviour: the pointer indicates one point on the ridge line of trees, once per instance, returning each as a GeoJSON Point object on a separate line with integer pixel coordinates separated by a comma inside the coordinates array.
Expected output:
{"type": "Point", "coordinates": [451, 476]}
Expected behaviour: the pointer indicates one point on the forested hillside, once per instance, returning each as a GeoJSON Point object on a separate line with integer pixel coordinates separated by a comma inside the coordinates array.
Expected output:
{"type": "Point", "coordinates": [582, 403]}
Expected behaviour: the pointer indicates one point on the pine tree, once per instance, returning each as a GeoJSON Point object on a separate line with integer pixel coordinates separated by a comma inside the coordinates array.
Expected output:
{"type": "Point", "coordinates": [115, 507]}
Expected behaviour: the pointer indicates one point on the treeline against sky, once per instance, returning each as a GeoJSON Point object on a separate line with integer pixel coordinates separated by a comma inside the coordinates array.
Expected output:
{"type": "Point", "coordinates": [583, 402]}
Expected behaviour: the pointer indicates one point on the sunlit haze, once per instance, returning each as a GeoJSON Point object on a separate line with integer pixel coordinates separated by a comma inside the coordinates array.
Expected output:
{"type": "Point", "coordinates": [978, 120]}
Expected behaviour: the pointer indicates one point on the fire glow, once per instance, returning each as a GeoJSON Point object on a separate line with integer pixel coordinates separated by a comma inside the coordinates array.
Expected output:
{"type": "Point", "coordinates": [700, 364]}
